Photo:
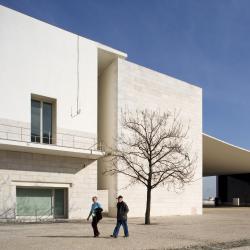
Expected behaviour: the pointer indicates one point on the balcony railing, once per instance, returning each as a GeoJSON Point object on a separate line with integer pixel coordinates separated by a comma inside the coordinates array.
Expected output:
{"type": "Point", "coordinates": [22, 134]}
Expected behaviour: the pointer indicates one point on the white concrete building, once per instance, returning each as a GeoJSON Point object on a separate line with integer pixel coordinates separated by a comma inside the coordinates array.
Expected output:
{"type": "Point", "coordinates": [60, 95]}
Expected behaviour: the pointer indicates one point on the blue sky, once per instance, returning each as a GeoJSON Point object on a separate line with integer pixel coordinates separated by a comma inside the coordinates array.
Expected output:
{"type": "Point", "coordinates": [205, 42]}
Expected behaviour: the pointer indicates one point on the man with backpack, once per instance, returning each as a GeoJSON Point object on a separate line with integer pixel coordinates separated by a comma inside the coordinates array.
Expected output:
{"type": "Point", "coordinates": [96, 212]}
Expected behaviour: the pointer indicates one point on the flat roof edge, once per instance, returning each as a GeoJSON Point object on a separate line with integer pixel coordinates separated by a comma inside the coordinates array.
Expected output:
{"type": "Point", "coordinates": [35, 19]}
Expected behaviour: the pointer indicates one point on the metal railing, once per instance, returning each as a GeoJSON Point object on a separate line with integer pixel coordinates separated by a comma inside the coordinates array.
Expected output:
{"type": "Point", "coordinates": [22, 134]}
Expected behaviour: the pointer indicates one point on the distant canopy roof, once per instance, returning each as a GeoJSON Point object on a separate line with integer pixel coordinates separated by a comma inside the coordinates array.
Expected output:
{"type": "Point", "coordinates": [221, 158]}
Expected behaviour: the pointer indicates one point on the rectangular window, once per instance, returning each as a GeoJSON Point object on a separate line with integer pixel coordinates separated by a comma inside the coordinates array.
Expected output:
{"type": "Point", "coordinates": [35, 121]}
{"type": "Point", "coordinates": [31, 201]}
{"type": "Point", "coordinates": [47, 123]}
{"type": "Point", "coordinates": [41, 122]}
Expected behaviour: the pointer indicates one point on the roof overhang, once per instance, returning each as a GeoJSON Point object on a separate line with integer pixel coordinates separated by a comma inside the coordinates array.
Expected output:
{"type": "Point", "coordinates": [222, 158]}
{"type": "Point", "coordinates": [110, 50]}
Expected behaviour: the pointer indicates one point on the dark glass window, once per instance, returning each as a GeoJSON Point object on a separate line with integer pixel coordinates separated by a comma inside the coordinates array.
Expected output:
{"type": "Point", "coordinates": [35, 121]}
{"type": "Point", "coordinates": [47, 123]}
{"type": "Point", "coordinates": [41, 122]}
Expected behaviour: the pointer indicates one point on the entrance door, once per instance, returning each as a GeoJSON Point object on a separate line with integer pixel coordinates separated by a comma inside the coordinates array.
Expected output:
{"type": "Point", "coordinates": [60, 203]}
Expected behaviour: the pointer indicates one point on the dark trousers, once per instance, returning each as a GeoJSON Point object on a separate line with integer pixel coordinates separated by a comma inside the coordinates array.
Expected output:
{"type": "Point", "coordinates": [95, 221]}
{"type": "Point", "coordinates": [120, 223]}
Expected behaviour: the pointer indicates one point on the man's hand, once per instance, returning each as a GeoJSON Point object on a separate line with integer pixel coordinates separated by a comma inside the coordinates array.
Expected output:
{"type": "Point", "coordinates": [88, 218]}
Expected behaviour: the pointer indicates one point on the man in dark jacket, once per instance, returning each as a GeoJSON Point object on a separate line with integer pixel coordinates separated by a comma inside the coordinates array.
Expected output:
{"type": "Point", "coordinates": [122, 211]}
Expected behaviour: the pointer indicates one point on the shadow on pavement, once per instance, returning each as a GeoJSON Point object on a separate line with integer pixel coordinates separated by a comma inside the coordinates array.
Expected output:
{"type": "Point", "coordinates": [69, 236]}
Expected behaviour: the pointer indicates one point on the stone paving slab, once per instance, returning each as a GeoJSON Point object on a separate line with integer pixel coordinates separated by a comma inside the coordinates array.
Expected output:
{"type": "Point", "coordinates": [218, 228]}
{"type": "Point", "coordinates": [242, 248]}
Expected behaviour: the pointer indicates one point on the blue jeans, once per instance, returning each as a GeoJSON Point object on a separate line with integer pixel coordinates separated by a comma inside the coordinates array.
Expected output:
{"type": "Point", "coordinates": [118, 225]}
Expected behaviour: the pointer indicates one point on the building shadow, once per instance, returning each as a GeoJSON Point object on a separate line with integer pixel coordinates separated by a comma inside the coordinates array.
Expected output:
{"type": "Point", "coordinates": [23, 161]}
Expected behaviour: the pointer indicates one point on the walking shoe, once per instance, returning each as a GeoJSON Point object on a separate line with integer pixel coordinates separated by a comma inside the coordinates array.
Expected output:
{"type": "Point", "coordinates": [113, 236]}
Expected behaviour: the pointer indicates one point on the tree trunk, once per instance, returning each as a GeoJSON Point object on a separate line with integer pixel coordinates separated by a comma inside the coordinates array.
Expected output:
{"type": "Point", "coordinates": [148, 206]}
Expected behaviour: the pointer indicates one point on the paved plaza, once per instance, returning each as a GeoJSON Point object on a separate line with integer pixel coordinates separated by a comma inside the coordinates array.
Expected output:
{"type": "Point", "coordinates": [218, 228]}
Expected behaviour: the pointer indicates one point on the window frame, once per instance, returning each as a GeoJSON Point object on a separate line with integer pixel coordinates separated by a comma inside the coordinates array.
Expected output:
{"type": "Point", "coordinates": [42, 100]}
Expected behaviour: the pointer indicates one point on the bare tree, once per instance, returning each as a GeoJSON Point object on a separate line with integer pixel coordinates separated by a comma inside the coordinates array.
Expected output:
{"type": "Point", "coordinates": [153, 150]}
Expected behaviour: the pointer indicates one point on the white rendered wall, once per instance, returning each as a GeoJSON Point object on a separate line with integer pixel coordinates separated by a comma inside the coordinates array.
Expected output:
{"type": "Point", "coordinates": [38, 58]}
{"type": "Point", "coordinates": [140, 88]}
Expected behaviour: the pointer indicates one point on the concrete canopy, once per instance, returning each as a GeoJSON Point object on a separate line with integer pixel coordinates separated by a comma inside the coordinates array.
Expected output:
{"type": "Point", "coordinates": [221, 158]}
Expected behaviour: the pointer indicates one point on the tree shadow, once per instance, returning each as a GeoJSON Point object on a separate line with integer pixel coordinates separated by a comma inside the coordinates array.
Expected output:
{"type": "Point", "coordinates": [151, 224]}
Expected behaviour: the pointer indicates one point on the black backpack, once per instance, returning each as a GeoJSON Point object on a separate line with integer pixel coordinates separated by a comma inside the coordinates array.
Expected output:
{"type": "Point", "coordinates": [98, 212]}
